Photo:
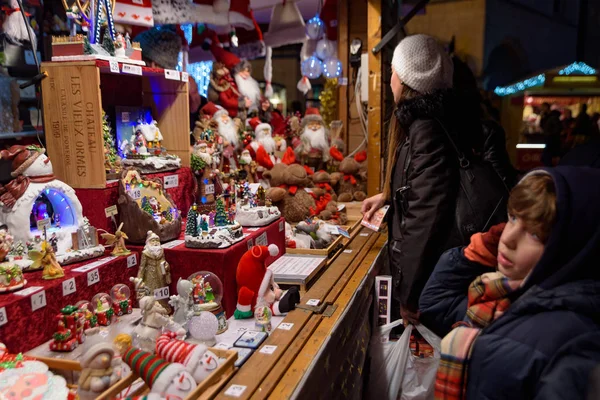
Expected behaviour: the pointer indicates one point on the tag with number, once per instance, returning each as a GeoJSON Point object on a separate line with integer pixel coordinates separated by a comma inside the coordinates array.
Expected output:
{"type": "Point", "coordinates": [161, 293]}
{"type": "Point", "coordinates": [135, 194]}
{"type": "Point", "coordinates": [69, 287]}
{"type": "Point", "coordinates": [235, 390]}
{"type": "Point", "coordinates": [132, 69]}
{"type": "Point", "coordinates": [262, 240]}
{"type": "Point", "coordinates": [268, 349]}
{"type": "Point", "coordinates": [313, 302]}
{"type": "Point", "coordinates": [132, 261]}
{"type": "Point", "coordinates": [209, 189]}
{"type": "Point", "coordinates": [38, 300]}
{"type": "Point", "coordinates": [184, 76]}
{"type": "Point", "coordinates": [93, 277]}
{"type": "Point", "coordinates": [286, 326]}
{"type": "Point", "coordinates": [114, 67]}
{"type": "Point", "coordinates": [3, 317]}
{"type": "Point", "coordinates": [172, 74]}
{"type": "Point", "coordinates": [171, 181]}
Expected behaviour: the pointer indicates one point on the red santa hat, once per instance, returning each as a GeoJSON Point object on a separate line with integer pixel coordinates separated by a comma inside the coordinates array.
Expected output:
{"type": "Point", "coordinates": [156, 372]}
{"type": "Point", "coordinates": [240, 14]}
{"type": "Point", "coordinates": [22, 157]}
{"type": "Point", "coordinates": [258, 126]}
{"type": "Point", "coordinates": [250, 271]}
{"type": "Point", "coordinates": [211, 40]}
{"type": "Point", "coordinates": [210, 109]}
{"type": "Point", "coordinates": [312, 114]}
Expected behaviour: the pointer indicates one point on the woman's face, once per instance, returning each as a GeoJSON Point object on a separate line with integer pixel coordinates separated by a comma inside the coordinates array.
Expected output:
{"type": "Point", "coordinates": [396, 85]}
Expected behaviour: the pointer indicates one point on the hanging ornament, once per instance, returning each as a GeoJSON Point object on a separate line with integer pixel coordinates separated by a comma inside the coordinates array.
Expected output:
{"type": "Point", "coordinates": [325, 49]}
{"type": "Point", "coordinates": [304, 85]}
{"type": "Point", "coordinates": [328, 99]}
{"type": "Point", "coordinates": [315, 27]}
{"type": "Point", "coordinates": [332, 68]}
{"type": "Point", "coordinates": [312, 67]}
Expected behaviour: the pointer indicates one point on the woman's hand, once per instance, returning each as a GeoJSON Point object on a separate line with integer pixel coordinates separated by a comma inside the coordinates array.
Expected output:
{"type": "Point", "coordinates": [372, 204]}
{"type": "Point", "coordinates": [409, 316]}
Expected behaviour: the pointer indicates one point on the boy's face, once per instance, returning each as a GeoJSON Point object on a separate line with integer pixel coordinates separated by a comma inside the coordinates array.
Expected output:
{"type": "Point", "coordinates": [519, 249]}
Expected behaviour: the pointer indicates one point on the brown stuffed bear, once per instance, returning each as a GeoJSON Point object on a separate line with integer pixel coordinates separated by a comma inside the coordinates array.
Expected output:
{"type": "Point", "coordinates": [351, 180]}
{"type": "Point", "coordinates": [325, 200]}
{"type": "Point", "coordinates": [287, 191]}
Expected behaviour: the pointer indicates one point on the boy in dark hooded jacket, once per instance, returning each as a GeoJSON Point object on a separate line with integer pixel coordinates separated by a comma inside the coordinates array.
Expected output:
{"type": "Point", "coordinates": [524, 298]}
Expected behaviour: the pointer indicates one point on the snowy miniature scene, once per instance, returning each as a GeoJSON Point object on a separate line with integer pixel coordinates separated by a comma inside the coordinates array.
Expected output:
{"type": "Point", "coordinates": [217, 230]}
{"type": "Point", "coordinates": [255, 209]}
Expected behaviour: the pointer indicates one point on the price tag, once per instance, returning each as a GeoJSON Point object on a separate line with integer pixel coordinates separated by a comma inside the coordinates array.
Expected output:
{"type": "Point", "coordinates": [3, 317]}
{"type": "Point", "coordinates": [235, 390]}
{"type": "Point", "coordinates": [43, 223]}
{"type": "Point", "coordinates": [242, 330]}
{"type": "Point", "coordinates": [268, 349]}
{"type": "Point", "coordinates": [161, 293]}
{"type": "Point", "coordinates": [184, 76]}
{"type": "Point", "coordinates": [364, 234]}
{"type": "Point", "coordinates": [313, 302]}
{"type": "Point", "coordinates": [135, 194]}
{"type": "Point", "coordinates": [114, 67]}
{"type": "Point", "coordinates": [93, 277]}
{"type": "Point", "coordinates": [343, 82]}
{"type": "Point", "coordinates": [348, 251]}
{"type": "Point", "coordinates": [132, 261]}
{"type": "Point", "coordinates": [286, 326]}
{"type": "Point", "coordinates": [110, 211]}
{"type": "Point", "coordinates": [222, 345]}
{"type": "Point", "coordinates": [172, 244]}
{"type": "Point", "coordinates": [38, 300]}
{"type": "Point", "coordinates": [281, 226]}
{"type": "Point", "coordinates": [94, 264]}
{"type": "Point", "coordinates": [262, 240]}
{"type": "Point", "coordinates": [172, 74]}
{"type": "Point", "coordinates": [209, 189]}
{"type": "Point", "coordinates": [250, 244]}
{"type": "Point", "coordinates": [28, 291]}
{"type": "Point", "coordinates": [132, 69]}
{"type": "Point", "coordinates": [69, 287]}
{"type": "Point", "coordinates": [171, 181]}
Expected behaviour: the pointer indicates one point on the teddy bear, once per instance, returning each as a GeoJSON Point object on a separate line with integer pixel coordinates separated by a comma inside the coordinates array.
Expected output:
{"type": "Point", "coordinates": [256, 285]}
{"type": "Point", "coordinates": [287, 191]}
{"type": "Point", "coordinates": [325, 199]}
{"type": "Point", "coordinates": [351, 180]}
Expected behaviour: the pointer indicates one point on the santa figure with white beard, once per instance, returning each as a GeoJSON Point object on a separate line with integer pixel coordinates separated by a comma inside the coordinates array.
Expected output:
{"type": "Point", "coordinates": [247, 85]}
{"type": "Point", "coordinates": [227, 139]}
{"type": "Point", "coordinates": [154, 270]}
{"type": "Point", "coordinates": [313, 148]}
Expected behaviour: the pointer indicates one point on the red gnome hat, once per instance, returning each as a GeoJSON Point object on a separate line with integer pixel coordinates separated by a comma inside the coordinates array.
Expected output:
{"type": "Point", "coordinates": [249, 277]}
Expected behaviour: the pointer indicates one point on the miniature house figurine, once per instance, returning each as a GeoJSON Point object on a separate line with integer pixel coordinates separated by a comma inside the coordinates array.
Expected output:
{"type": "Point", "coordinates": [144, 150]}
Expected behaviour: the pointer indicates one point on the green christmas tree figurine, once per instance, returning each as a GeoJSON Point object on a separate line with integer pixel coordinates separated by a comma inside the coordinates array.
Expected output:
{"type": "Point", "coordinates": [146, 206]}
{"type": "Point", "coordinates": [108, 44]}
{"type": "Point", "coordinates": [87, 47]}
{"type": "Point", "coordinates": [191, 226]}
{"type": "Point", "coordinates": [204, 225]}
{"type": "Point", "coordinates": [221, 216]}
{"type": "Point", "coordinates": [110, 151]}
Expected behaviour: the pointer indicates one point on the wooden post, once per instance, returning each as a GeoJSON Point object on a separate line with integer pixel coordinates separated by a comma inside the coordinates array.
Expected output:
{"type": "Point", "coordinates": [374, 159]}
{"type": "Point", "coordinates": [343, 54]}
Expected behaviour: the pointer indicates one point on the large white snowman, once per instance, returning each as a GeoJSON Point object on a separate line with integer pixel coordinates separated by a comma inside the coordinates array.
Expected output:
{"type": "Point", "coordinates": [35, 196]}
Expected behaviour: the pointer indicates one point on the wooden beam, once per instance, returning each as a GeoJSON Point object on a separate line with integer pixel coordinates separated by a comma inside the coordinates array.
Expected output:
{"type": "Point", "coordinates": [374, 159]}
{"type": "Point", "coordinates": [344, 57]}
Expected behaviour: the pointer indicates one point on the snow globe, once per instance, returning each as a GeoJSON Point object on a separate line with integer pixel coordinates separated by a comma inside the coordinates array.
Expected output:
{"type": "Point", "coordinates": [121, 299]}
{"type": "Point", "coordinates": [103, 306]}
{"type": "Point", "coordinates": [262, 318]}
{"type": "Point", "coordinates": [207, 293]}
{"type": "Point", "coordinates": [88, 314]}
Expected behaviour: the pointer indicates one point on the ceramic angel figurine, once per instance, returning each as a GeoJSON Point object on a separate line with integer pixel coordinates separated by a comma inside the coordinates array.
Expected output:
{"type": "Point", "coordinates": [118, 240]}
{"type": "Point", "coordinates": [154, 319]}
{"type": "Point", "coordinates": [46, 259]}
{"type": "Point", "coordinates": [183, 302]}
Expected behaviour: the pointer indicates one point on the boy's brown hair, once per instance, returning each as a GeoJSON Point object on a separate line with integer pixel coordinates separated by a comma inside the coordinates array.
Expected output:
{"type": "Point", "coordinates": [534, 201]}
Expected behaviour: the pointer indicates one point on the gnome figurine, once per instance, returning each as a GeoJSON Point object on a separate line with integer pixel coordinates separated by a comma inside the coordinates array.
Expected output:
{"type": "Point", "coordinates": [169, 380]}
{"type": "Point", "coordinates": [256, 282]}
{"type": "Point", "coordinates": [196, 358]}
{"type": "Point", "coordinates": [97, 373]}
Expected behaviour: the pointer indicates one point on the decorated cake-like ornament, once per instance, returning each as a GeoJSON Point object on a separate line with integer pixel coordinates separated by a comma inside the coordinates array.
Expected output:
{"type": "Point", "coordinates": [252, 209]}
{"type": "Point", "coordinates": [145, 151]}
{"type": "Point", "coordinates": [11, 277]}
{"type": "Point", "coordinates": [217, 230]}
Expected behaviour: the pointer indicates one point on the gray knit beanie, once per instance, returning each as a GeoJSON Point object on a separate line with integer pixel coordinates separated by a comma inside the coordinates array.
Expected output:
{"type": "Point", "coordinates": [421, 62]}
{"type": "Point", "coordinates": [161, 46]}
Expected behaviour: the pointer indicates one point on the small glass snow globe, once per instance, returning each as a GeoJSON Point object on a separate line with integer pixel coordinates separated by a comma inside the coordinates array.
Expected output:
{"type": "Point", "coordinates": [88, 312]}
{"type": "Point", "coordinates": [121, 296]}
{"type": "Point", "coordinates": [101, 302]}
{"type": "Point", "coordinates": [207, 291]}
{"type": "Point", "coordinates": [262, 318]}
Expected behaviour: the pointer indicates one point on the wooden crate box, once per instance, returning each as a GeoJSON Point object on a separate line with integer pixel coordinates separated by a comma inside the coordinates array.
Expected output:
{"type": "Point", "coordinates": [73, 96]}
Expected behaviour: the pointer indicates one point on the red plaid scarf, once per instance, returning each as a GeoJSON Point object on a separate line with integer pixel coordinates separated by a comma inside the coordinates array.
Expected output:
{"type": "Point", "coordinates": [487, 301]}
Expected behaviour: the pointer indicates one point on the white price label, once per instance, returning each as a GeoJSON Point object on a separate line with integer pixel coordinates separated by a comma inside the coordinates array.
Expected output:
{"type": "Point", "coordinates": [161, 293]}
{"type": "Point", "coordinates": [69, 287]}
{"type": "Point", "coordinates": [3, 317]}
{"type": "Point", "coordinates": [172, 74]}
{"type": "Point", "coordinates": [364, 234]}
{"type": "Point", "coordinates": [94, 264]}
{"type": "Point", "coordinates": [132, 69]}
{"type": "Point", "coordinates": [125, 116]}
{"type": "Point", "coordinates": [173, 243]}
{"type": "Point", "coordinates": [28, 291]}
{"type": "Point", "coordinates": [110, 211]}
{"type": "Point", "coordinates": [114, 67]}
{"type": "Point", "coordinates": [135, 194]}
{"type": "Point", "coordinates": [313, 302]}
{"type": "Point", "coordinates": [262, 240]}
{"type": "Point", "coordinates": [131, 261]}
{"type": "Point", "coordinates": [38, 300]}
{"type": "Point", "coordinates": [171, 181]}
{"type": "Point", "coordinates": [286, 326]}
{"type": "Point", "coordinates": [281, 226]}
{"type": "Point", "coordinates": [250, 244]}
{"type": "Point", "coordinates": [209, 189]}
{"type": "Point", "coordinates": [184, 76]}
{"type": "Point", "coordinates": [268, 349]}
{"type": "Point", "coordinates": [343, 82]}
{"type": "Point", "coordinates": [222, 345]}
{"type": "Point", "coordinates": [235, 390]}
{"type": "Point", "coordinates": [93, 277]}
{"type": "Point", "coordinates": [252, 229]}
{"type": "Point", "coordinates": [348, 251]}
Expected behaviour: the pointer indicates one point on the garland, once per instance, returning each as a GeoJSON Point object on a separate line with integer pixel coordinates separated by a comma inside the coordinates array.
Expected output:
{"type": "Point", "coordinates": [328, 100]}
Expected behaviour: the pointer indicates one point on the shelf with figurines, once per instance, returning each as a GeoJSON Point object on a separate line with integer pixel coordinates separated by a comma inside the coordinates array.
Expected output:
{"type": "Point", "coordinates": [145, 206]}
{"type": "Point", "coordinates": [215, 230]}
{"type": "Point", "coordinates": [37, 208]}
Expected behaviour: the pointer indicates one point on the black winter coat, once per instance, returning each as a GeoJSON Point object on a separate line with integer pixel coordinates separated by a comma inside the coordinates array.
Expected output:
{"type": "Point", "coordinates": [424, 188]}
{"type": "Point", "coordinates": [494, 152]}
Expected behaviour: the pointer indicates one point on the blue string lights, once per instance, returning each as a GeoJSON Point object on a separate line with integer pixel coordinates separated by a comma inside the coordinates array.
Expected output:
{"type": "Point", "coordinates": [539, 80]}
{"type": "Point", "coordinates": [201, 73]}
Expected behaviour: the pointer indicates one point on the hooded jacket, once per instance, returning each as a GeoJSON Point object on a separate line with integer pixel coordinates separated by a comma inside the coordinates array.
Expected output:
{"type": "Point", "coordinates": [537, 348]}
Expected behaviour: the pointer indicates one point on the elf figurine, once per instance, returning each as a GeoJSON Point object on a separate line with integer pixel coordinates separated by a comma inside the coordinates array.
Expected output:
{"type": "Point", "coordinates": [46, 259]}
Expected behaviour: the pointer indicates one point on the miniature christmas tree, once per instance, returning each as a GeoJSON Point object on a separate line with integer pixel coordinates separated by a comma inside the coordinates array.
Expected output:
{"type": "Point", "coordinates": [197, 164]}
{"type": "Point", "coordinates": [110, 151]}
{"type": "Point", "coordinates": [221, 215]}
{"type": "Point", "coordinates": [108, 44]}
{"type": "Point", "coordinates": [87, 47]}
{"type": "Point", "coordinates": [191, 226]}
{"type": "Point", "coordinates": [146, 206]}
{"type": "Point", "coordinates": [204, 225]}
{"type": "Point", "coordinates": [168, 215]}
{"type": "Point", "coordinates": [246, 193]}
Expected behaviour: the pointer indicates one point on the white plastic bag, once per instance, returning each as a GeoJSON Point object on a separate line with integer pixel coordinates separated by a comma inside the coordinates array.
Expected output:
{"type": "Point", "coordinates": [395, 372]}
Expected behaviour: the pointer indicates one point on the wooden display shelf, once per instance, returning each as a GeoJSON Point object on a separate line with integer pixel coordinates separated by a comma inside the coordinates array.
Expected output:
{"type": "Point", "coordinates": [74, 94]}
{"type": "Point", "coordinates": [330, 251]}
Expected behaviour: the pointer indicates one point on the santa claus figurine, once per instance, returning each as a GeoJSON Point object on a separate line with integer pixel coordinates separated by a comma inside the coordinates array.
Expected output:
{"type": "Point", "coordinates": [223, 90]}
{"type": "Point", "coordinates": [313, 149]}
{"type": "Point", "coordinates": [154, 269]}
{"type": "Point", "coordinates": [248, 168]}
{"type": "Point", "coordinates": [256, 285]}
{"type": "Point", "coordinates": [228, 139]}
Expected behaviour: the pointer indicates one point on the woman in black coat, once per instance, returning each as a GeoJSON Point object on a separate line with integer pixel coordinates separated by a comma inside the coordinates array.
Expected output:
{"type": "Point", "coordinates": [422, 179]}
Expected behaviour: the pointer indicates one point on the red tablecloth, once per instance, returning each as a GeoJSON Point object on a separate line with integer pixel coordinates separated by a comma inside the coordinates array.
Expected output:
{"type": "Point", "coordinates": [95, 201]}
{"type": "Point", "coordinates": [25, 329]}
